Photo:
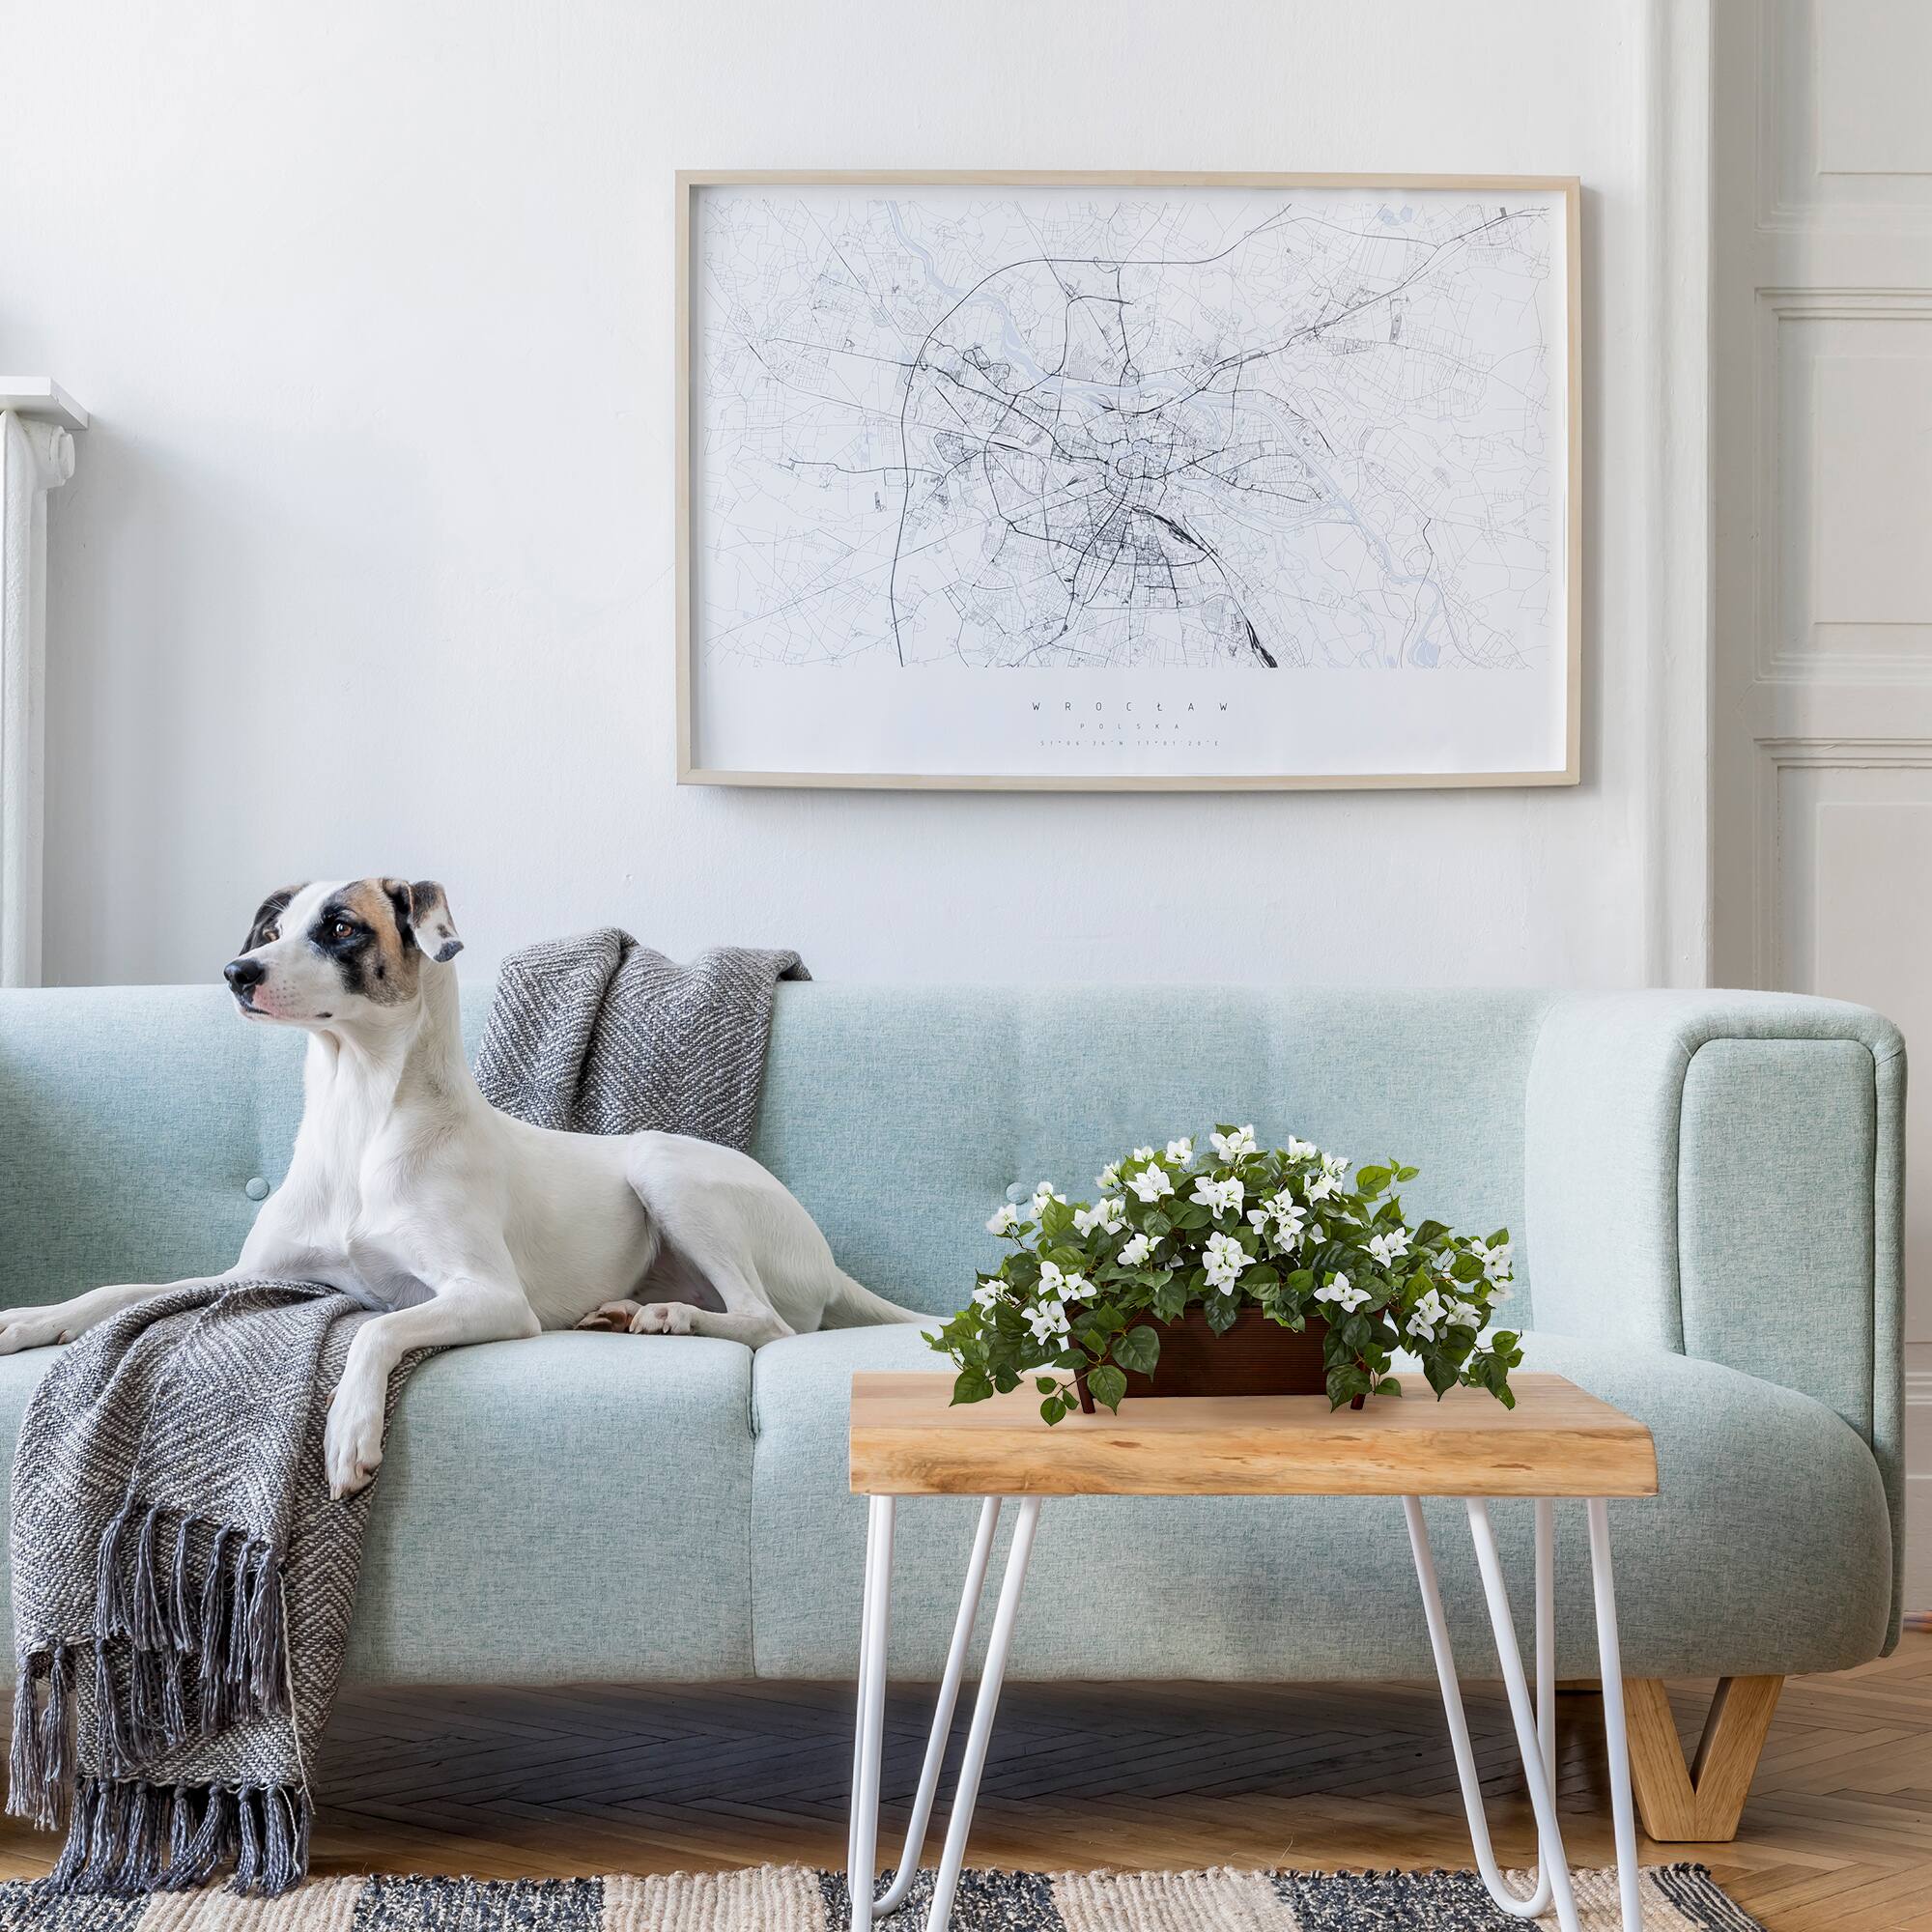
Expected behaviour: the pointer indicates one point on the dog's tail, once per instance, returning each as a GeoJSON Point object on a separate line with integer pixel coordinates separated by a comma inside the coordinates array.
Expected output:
{"type": "Point", "coordinates": [855, 1306]}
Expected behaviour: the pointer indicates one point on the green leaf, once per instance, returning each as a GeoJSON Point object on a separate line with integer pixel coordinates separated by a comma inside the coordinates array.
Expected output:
{"type": "Point", "coordinates": [1053, 1409]}
{"type": "Point", "coordinates": [1370, 1180]}
{"type": "Point", "coordinates": [1222, 1311]}
{"type": "Point", "coordinates": [1388, 1385]}
{"type": "Point", "coordinates": [1138, 1350]}
{"type": "Point", "coordinates": [1106, 1384]}
{"type": "Point", "coordinates": [1346, 1381]}
{"type": "Point", "coordinates": [970, 1385]}
{"type": "Point", "coordinates": [1170, 1299]}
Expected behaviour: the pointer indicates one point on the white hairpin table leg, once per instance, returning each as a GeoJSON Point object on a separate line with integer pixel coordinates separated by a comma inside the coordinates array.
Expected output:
{"type": "Point", "coordinates": [875, 1617]}
{"type": "Point", "coordinates": [1609, 1662]}
{"type": "Point", "coordinates": [895, 1894]}
{"type": "Point", "coordinates": [1542, 1792]}
{"type": "Point", "coordinates": [1026, 1521]}
{"type": "Point", "coordinates": [1538, 1901]}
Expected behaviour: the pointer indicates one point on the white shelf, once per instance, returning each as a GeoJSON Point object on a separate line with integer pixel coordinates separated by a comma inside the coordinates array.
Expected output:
{"type": "Point", "coordinates": [40, 396]}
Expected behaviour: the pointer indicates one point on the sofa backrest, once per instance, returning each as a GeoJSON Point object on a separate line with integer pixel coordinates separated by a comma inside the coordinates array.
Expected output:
{"type": "Point", "coordinates": [133, 1119]}
{"type": "Point", "coordinates": [900, 1116]}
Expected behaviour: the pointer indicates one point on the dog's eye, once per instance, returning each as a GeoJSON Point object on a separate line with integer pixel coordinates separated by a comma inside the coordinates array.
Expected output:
{"type": "Point", "coordinates": [341, 929]}
{"type": "Point", "coordinates": [271, 933]}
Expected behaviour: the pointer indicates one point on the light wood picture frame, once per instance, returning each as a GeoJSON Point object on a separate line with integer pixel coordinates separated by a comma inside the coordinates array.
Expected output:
{"type": "Point", "coordinates": [1290, 455]}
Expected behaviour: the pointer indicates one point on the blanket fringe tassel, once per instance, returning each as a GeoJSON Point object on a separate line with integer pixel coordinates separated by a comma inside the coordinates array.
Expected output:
{"type": "Point", "coordinates": [189, 1640]}
{"type": "Point", "coordinates": [128, 1837]}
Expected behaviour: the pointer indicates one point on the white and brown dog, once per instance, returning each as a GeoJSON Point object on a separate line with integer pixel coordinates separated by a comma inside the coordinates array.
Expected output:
{"type": "Point", "coordinates": [410, 1192]}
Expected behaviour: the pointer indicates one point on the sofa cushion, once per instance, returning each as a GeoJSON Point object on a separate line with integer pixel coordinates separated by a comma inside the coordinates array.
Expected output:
{"type": "Point", "coordinates": [1768, 1548]}
{"type": "Point", "coordinates": [569, 1508]}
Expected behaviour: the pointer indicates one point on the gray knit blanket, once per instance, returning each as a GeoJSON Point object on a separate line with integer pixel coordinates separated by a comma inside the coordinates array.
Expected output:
{"type": "Point", "coordinates": [182, 1581]}
{"type": "Point", "coordinates": [601, 1035]}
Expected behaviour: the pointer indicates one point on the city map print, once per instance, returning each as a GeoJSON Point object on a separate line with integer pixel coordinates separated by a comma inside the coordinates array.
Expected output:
{"type": "Point", "coordinates": [1171, 446]}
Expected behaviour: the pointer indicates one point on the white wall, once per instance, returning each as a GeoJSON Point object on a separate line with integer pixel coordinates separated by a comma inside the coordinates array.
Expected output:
{"type": "Point", "coordinates": [367, 565]}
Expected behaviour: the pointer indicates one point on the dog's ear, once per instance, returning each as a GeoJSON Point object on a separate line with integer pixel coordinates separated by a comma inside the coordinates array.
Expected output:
{"type": "Point", "coordinates": [266, 916]}
{"type": "Point", "coordinates": [422, 912]}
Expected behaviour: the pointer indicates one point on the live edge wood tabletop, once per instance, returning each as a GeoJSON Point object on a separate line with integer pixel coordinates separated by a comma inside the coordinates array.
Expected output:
{"type": "Point", "coordinates": [1558, 1441]}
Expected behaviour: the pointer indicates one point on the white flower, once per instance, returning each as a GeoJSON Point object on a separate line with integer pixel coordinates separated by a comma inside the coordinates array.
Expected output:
{"type": "Point", "coordinates": [1390, 1247]}
{"type": "Point", "coordinates": [1109, 1214]}
{"type": "Point", "coordinates": [1495, 1260]}
{"type": "Point", "coordinates": [1443, 1262]}
{"type": "Point", "coordinates": [1233, 1147]}
{"type": "Point", "coordinates": [1301, 1150]}
{"type": "Point", "coordinates": [1059, 1285]}
{"type": "Point", "coordinates": [987, 1293]}
{"type": "Point", "coordinates": [1042, 1195]}
{"type": "Point", "coordinates": [1134, 1252]}
{"type": "Point", "coordinates": [1182, 1149]}
{"type": "Point", "coordinates": [1342, 1293]}
{"type": "Point", "coordinates": [1224, 1258]}
{"type": "Point", "coordinates": [1219, 1196]}
{"type": "Point", "coordinates": [1321, 1186]}
{"type": "Point", "coordinates": [1287, 1214]}
{"type": "Point", "coordinates": [1150, 1183]}
{"type": "Point", "coordinates": [1047, 1322]}
{"type": "Point", "coordinates": [1427, 1315]}
{"type": "Point", "coordinates": [1335, 1164]}
{"type": "Point", "coordinates": [1318, 1232]}
{"type": "Point", "coordinates": [1109, 1178]}
{"type": "Point", "coordinates": [1006, 1218]}
{"type": "Point", "coordinates": [1142, 1153]}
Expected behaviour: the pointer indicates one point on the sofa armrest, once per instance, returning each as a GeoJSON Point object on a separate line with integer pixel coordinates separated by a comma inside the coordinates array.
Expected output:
{"type": "Point", "coordinates": [1721, 1175]}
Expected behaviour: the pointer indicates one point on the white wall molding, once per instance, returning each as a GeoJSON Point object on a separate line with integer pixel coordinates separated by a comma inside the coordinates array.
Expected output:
{"type": "Point", "coordinates": [36, 456]}
{"type": "Point", "coordinates": [1919, 1476]}
{"type": "Point", "coordinates": [1677, 92]}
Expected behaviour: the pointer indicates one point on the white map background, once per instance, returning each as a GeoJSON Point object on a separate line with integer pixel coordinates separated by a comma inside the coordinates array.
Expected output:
{"type": "Point", "coordinates": [1125, 445]}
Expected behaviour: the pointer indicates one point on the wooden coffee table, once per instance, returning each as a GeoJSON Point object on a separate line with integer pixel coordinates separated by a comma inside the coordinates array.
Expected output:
{"type": "Point", "coordinates": [1557, 1443]}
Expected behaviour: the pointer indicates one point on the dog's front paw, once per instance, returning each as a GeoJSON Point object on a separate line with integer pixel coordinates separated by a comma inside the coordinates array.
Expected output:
{"type": "Point", "coordinates": [351, 1444]}
{"type": "Point", "coordinates": [664, 1318]}
{"type": "Point", "coordinates": [29, 1328]}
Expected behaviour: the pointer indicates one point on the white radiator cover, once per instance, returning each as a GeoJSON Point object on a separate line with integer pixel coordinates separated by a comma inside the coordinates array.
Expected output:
{"type": "Point", "coordinates": [36, 456]}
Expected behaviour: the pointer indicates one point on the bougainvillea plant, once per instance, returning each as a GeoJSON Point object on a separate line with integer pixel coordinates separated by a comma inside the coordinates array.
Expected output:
{"type": "Point", "coordinates": [1282, 1229]}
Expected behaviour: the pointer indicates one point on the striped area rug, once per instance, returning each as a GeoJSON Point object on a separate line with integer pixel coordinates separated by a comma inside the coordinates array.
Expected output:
{"type": "Point", "coordinates": [795, 1898]}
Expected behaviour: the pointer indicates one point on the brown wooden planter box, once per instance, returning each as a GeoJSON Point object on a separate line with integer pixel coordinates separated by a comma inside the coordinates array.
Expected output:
{"type": "Point", "coordinates": [1255, 1356]}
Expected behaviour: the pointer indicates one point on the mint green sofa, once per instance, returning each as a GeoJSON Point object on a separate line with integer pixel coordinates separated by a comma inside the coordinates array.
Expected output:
{"type": "Point", "coordinates": [1704, 1188]}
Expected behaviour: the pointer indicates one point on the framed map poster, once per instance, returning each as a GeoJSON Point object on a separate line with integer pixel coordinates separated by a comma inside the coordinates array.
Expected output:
{"type": "Point", "coordinates": [1113, 481]}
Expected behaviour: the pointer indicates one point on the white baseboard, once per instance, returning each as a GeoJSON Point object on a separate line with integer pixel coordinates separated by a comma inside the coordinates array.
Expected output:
{"type": "Point", "coordinates": [1919, 1476]}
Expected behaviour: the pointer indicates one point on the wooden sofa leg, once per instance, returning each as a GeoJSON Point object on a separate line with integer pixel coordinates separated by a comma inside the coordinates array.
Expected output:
{"type": "Point", "coordinates": [1700, 1804]}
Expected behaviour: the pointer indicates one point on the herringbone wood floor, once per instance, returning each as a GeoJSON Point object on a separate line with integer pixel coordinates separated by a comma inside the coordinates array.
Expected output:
{"type": "Point", "coordinates": [502, 1783]}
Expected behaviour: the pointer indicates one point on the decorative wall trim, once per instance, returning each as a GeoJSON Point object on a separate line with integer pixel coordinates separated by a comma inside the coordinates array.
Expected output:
{"type": "Point", "coordinates": [1780, 658]}
{"type": "Point", "coordinates": [1676, 86]}
{"type": "Point", "coordinates": [1919, 1476]}
{"type": "Point", "coordinates": [1798, 194]}
{"type": "Point", "coordinates": [1775, 756]}
{"type": "Point", "coordinates": [36, 456]}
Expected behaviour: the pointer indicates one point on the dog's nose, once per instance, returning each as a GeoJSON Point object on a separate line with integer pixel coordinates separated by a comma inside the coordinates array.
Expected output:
{"type": "Point", "coordinates": [242, 973]}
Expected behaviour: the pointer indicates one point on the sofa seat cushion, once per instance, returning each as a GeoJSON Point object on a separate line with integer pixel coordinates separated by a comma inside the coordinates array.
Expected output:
{"type": "Point", "coordinates": [1767, 1551]}
{"type": "Point", "coordinates": [569, 1508]}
